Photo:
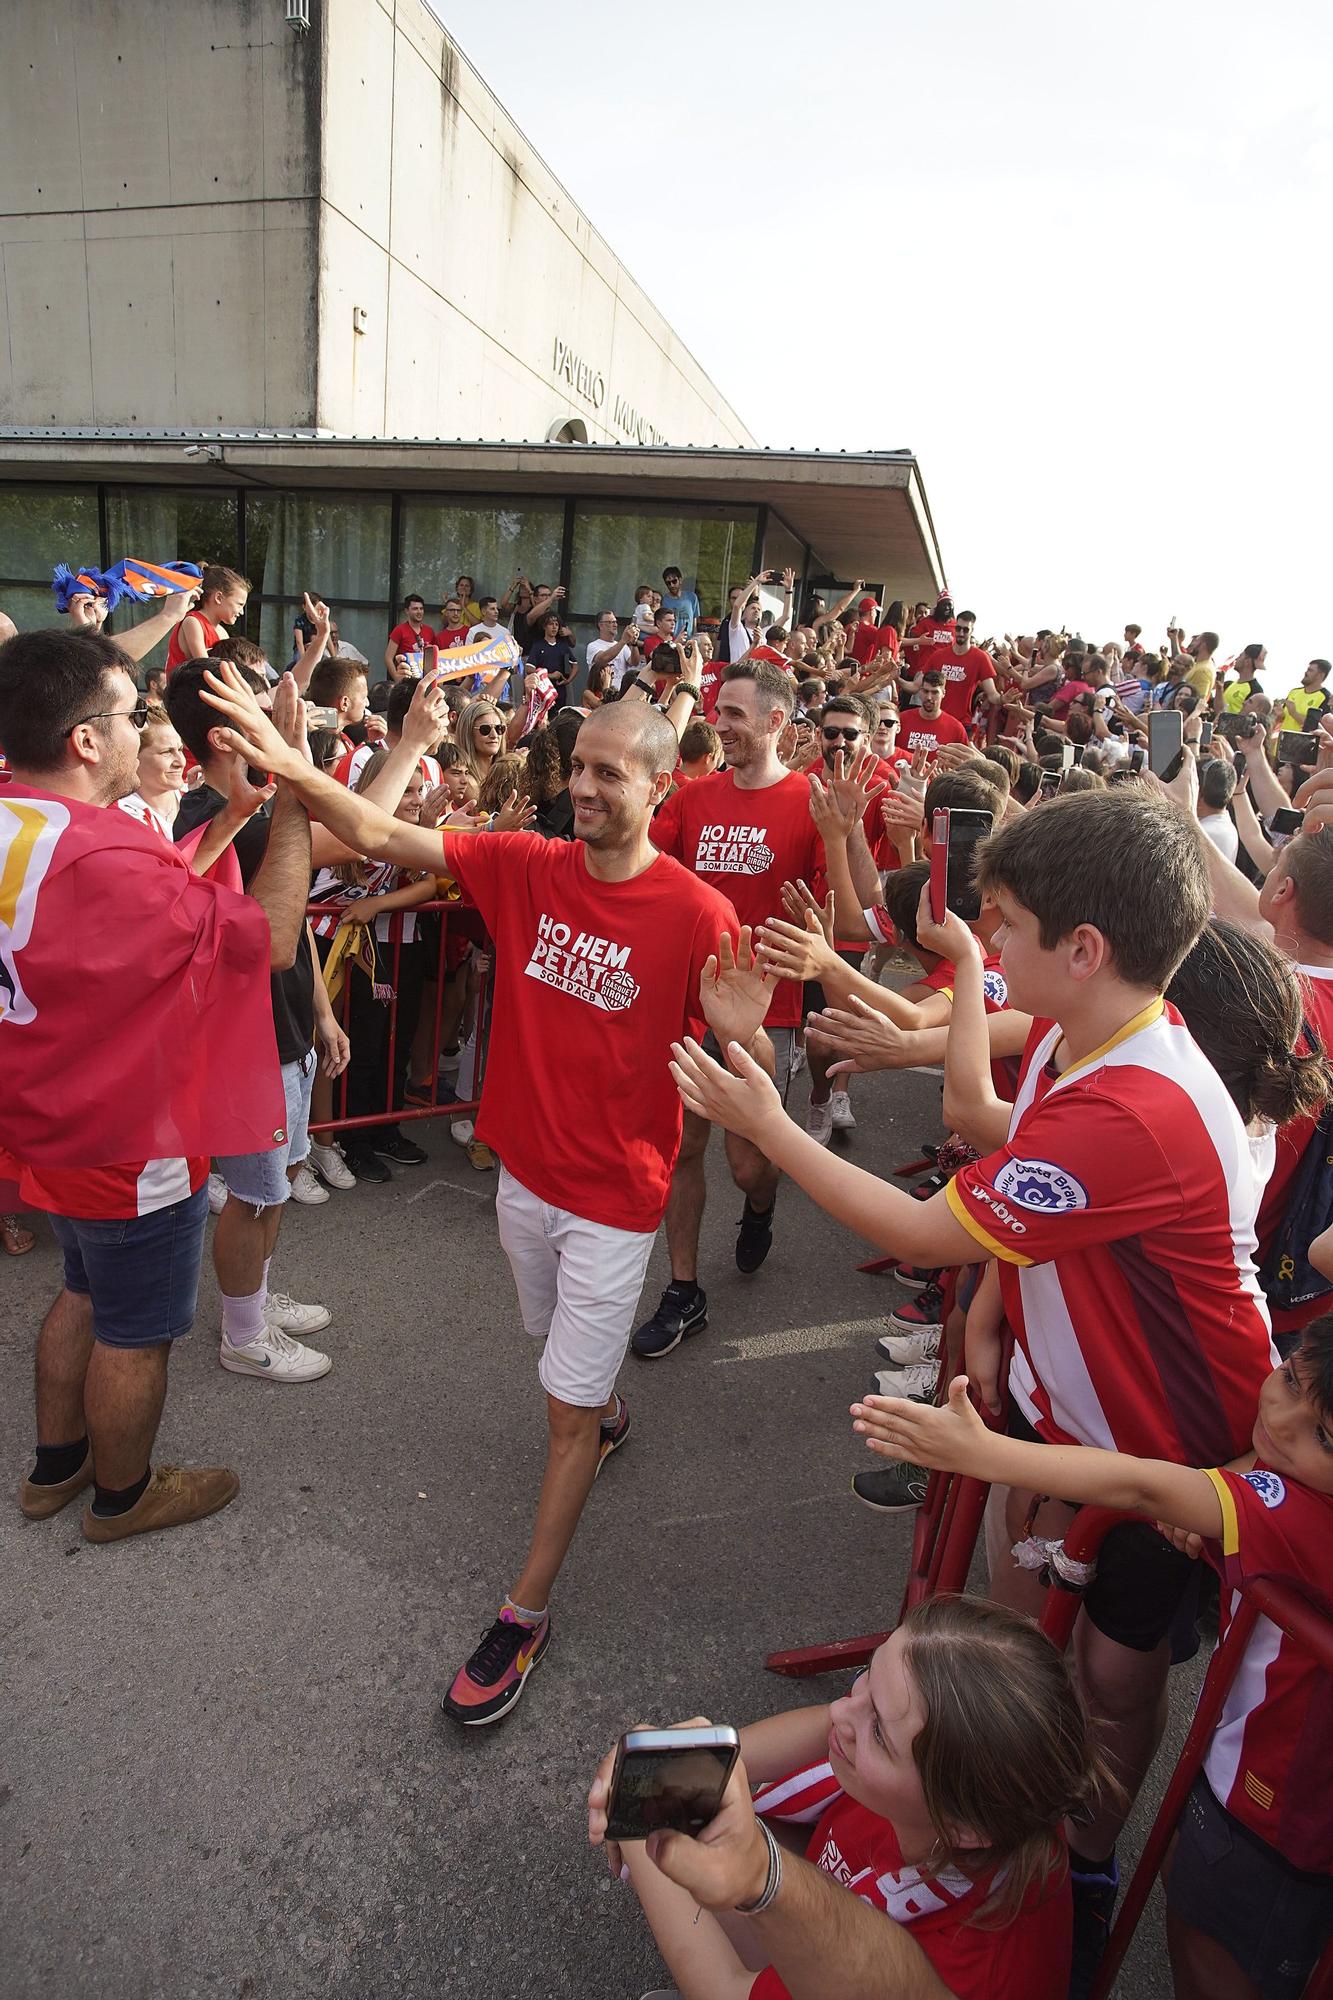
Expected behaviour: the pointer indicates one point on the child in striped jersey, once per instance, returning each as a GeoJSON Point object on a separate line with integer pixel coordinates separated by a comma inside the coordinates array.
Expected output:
{"type": "Point", "coordinates": [1249, 1896]}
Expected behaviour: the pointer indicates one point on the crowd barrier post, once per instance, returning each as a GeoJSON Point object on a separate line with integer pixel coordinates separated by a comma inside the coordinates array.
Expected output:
{"type": "Point", "coordinates": [436, 1108]}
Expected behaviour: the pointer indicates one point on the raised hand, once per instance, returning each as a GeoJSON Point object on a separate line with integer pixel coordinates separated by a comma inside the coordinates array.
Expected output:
{"type": "Point", "coordinates": [868, 1039]}
{"type": "Point", "coordinates": [248, 732]}
{"type": "Point", "coordinates": [799, 899]}
{"type": "Point", "coordinates": [742, 1099]}
{"type": "Point", "coordinates": [834, 820]}
{"type": "Point", "coordinates": [735, 990]}
{"type": "Point", "coordinates": [855, 787]}
{"type": "Point", "coordinates": [244, 799]}
{"type": "Point", "coordinates": [516, 812]}
{"type": "Point", "coordinates": [951, 939]}
{"type": "Point", "coordinates": [796, 951]}
{"type": "Point", "coordinates": [947, 1438]}
{"type": "Point", "coordinates": [427, 717]}
{"type": "Point", "coordinates": [288, 714]}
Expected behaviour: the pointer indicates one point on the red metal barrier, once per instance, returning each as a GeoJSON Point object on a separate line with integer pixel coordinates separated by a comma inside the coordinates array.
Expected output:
{"type": "Point", "coordinates": [1308, 1627]}
{"type": "Point", "coordinates": [389, 961]}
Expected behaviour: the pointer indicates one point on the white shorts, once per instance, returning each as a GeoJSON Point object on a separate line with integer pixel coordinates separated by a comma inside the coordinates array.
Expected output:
{"type": "Point", "coordinates": [578, 1285]}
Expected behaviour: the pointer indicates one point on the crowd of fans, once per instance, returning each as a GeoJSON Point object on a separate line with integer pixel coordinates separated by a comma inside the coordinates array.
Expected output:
{"type": "Point", "coordinates": [695, 851]}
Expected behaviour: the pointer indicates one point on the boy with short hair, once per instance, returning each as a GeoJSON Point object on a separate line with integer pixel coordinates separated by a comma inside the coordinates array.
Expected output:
{"type": "Point", "coordinates": [1250, 1872]}
{"type": "Point", "coordinates": [1121, 1210]}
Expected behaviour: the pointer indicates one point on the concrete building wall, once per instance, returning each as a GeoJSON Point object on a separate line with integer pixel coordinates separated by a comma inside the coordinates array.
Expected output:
{"type": "Point", "coordinates": [208, 221]}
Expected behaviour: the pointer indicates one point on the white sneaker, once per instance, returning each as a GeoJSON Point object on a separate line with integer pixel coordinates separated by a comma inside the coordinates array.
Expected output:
{"type": "Point", "coordinates": [921, 1379]}
{"type": "Point", "coordinates": [844, 1118]}
{"type": "Point", "coordinates": [274, 1355]}
{"type": "Point", "coordinates": [331, 1167]}
{"type": "Point", "coordinates": [290, 1316]}
{"type": "Point", "coordinates": [217, 1194]}
{"type": "Point", "coordinates": [462, 1131]}
{"type": "Point", "coordinates": [905, 1348]}
{"type": "Point", "coordinates": [797, 1058]}
{"type": "Point", "coordinates": [819, 1122]}
{"type": "Point", "coordinates": [306, 1189]}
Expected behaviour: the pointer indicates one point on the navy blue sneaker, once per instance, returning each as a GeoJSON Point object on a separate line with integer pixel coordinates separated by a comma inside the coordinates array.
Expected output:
{"type": "Point", "coordinates": [683, 1310]}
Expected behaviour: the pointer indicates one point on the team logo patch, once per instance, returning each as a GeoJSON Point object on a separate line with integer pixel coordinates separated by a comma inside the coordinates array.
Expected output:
{"type": "Point", "coordinates": [1268, 1486]}
{"type": "Point", "coordinates": [1040, 1185]}
{"type": "Point", "coordinates": [995, 987]}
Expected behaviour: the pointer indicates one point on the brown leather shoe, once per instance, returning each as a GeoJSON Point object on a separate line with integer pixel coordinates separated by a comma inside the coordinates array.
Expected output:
{"type": "Point", "coordinates": [174, 1494]}
{"type": "Point", "coordinates": [39, 1503]}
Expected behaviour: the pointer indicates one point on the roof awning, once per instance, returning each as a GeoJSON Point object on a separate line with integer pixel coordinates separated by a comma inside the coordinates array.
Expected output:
{"type": "Point", "coordinates": [862, 513]}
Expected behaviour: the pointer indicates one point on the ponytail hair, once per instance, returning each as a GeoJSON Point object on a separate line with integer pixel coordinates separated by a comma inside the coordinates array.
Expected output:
{"type": "Point", "coordinates": [1242, 1003]}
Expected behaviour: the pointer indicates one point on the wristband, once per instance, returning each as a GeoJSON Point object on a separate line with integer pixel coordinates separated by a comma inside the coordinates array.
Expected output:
{"type": "Point", "coordinates": [774, 1882]}
{"type": "Point", "coordinates": [646, 687]}
{"type": "Point", "coordinates": [685, 687]}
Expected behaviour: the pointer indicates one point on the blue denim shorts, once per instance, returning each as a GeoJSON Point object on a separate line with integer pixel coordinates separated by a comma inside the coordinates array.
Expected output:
{"type": "Point", "coordinates": [140, 1271]}
{"type": "Point", "coordinates": [260, 1179]}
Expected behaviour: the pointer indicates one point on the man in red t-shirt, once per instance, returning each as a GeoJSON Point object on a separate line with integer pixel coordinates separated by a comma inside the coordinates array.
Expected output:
{"type": "Point", "coordinates": [608, 950]}
{"type": "Point", "coordinates": [866, 636]}
{"type": "Point", "coordinates": [748, 829]}
{"type": "Point", "coordinates": [413, 635]}
{"type": "Point", "coordinates": [453, 627]}
{"type": "Point", "coordinates": [927, 726]}
{"type": "Point", "coordinates": [968, 672]}
{"type": "Point", "coordinates": [927, 638]}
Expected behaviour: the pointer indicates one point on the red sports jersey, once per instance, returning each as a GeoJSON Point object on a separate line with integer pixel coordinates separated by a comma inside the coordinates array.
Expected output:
{"type": "Point", "coordinates": [710, 686]}
{"type": "Point", "coordinates": [1292, 1140]}
{"type": "Point", "coordinates": [111, 1193]}
{"type": "Point", "coordinates": [1028, 1959]}
{"type": "Point", "coordinates": [452, 635]}
{"type": "Point", "coordinates": [749, 843]}
{"type": "Point", "coordinates": [1122, 1211]}
{"type": "Point", "coordinates": [1270, 1762]}
{"type": "Point", "coordinates": [916, 731]}
{"type": "Point", "coordinates": [962, 672]}
{"type": "Point", "coordinates": [937, 635]}
{"type": "Point", "coordinates": [608, 974]}
{"type": "Point", "coordinates": [995, 996]}
{"type": "Point", "coordinates": [175, 657]}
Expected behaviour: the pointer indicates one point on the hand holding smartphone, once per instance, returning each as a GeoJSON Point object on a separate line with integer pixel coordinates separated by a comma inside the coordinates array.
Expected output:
{"type": "Point", "coordinates": [955, 834]}
{"type": "Point", "coordinates": [669, 1779]}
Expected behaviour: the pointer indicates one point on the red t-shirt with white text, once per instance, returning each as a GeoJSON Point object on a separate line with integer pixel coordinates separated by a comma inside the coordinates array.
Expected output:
{"type": "Point", "coordinates": [962, 672]}
{"type": "Point", "coordinates": [748, 843]}
{"type": "Point", "coordinates": [1026, 1959]}
{"type": "Point", "coordinates": [917, 730]}
{"type": "Point", "coordinates": [608, 973]}
{"type": "Point", "coordinates": [937, 635]}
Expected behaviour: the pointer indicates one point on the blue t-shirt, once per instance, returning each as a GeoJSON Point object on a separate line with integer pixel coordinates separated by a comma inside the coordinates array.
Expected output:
{"type": "Point", "coordinates": [686, 608]}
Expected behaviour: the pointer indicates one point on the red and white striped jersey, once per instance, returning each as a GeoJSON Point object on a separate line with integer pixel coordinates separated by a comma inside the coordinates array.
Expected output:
{"type": "Point", "coordinates": [1122, 1211]}
{"type": "Point", "coordinates": [354, 761]}
{"type": "Point", "coordinates": [109, 1193]}
{"type": "Point", "coordinates": [394, 927]}
{"type": "Point", "coordinates": [1027, 1959]}
{"type": "Point", "coordinates": [1270, 1762]}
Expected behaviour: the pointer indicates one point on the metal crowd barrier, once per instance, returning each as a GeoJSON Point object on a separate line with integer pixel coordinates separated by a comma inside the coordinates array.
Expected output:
{"type": "Point", "coordinates": [453, 918]}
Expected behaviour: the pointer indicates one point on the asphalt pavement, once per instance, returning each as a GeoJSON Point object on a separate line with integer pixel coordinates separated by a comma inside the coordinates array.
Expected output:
{"type": "Point", "coordinates": [223, 1765]}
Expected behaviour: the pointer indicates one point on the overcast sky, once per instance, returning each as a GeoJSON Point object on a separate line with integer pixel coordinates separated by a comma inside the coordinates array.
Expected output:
{"type": "Point", "coordinates": [1076, 257]}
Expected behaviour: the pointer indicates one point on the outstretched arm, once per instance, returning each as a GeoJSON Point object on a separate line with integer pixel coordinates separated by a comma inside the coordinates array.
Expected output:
{"type": "Point", "coordinates": [150, 632]}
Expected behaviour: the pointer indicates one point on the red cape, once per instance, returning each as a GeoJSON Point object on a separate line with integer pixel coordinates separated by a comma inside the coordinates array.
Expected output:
{"type": "Point", "coordinates": [135, 1021]}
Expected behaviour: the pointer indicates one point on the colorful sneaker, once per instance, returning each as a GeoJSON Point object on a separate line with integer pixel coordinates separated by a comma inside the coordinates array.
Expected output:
{"type": "Point", "coordinates": [614, 1432]}
{"type": "Point", "coordinates": [493, 1679]}
{"type": "Point", "coordinates": [923, 1314]}
{"type": "Point", "coordinates": [914, 1278]}
{"type": "Point", "coordinates": [682, 1310]}
{"type": "Point", "coordinates": [330, 1165]}
{"type": "Point", "coordinates": [756, 1237]}
{"type": "Point", "coordinates": [276, 1357]}
{"type": "Point", "coordinates": [921, 1379]}
{"type": "Point", "coordinates": [819, 1121]}
{"type": "Point", "coordinates": [903, 1348]}
{"type": "Point", "coordinates": [891, 1489]}
{"type": "Point", "coordinates": [290, 1316]}
{"type": "Point", "coordinates": [844, 1118]}
{"type": "Point", "coordinates": [307, 1190]}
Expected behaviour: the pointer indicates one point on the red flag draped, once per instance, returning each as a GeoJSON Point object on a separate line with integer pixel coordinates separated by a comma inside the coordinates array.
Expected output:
{"type": "Point", "coordinates": [135, 1021]}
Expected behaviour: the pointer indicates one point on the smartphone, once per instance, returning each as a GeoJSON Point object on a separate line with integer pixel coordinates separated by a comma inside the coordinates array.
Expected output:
{"type": "Point", "coordinates": [1050, 784]}
{"type": "Point", "coordinates": [1294, 747]}
{"type": "Point", "coordinates": [669, 1778]}
{"type": "Point", "coordinates": [430, 662]}
{"type": "Point", "coordinates": [1238, 728]}
{"type": "Point", "coordinates": [1078, 752]}
{"type": "Point", "coordinates": [1166, 733]}
{"type": "Point", "coordinates": [1206, 735]}
{"type": "Point", "coordinates": [954, 835]}
{"type": "Point", "coordinates": [321, 718]}
{"type": "Point", "coordinates": [1285, 823]}
{"type": "Point", "coordinates": [1067, 756]}
{"type": "Point", "coordinates": [1136, 757]}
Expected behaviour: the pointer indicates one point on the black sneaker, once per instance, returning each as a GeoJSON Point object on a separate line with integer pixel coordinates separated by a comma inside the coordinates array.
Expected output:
{"type": "Point", "coordinates": [398, 1147]}
{"type": "Point", "coordinates": [362, 1162]}
{"type": "Point", "coordinates": [683, 1310]}
{"type": "Point", "coordinates": [1095, 1892]}
{"type": "Point", "coordinates": [891, 1489]}
{"type": "Point", "coordinates": [755, 1239]}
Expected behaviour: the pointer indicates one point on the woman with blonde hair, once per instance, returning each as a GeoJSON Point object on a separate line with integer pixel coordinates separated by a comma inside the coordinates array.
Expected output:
{"type": "Point", "coordinates": [480, 734]}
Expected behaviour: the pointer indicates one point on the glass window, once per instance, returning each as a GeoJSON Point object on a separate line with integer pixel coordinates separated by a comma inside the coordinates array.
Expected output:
{"type": "Point", "coordinates": [618, 546]}
{"type": "Point", "coordinates": [334, 543]}
{"type": "Point", "coordinates": [490, 541]}
{"type": "Point", "coordinates": [31, 606]}
{"type": "Point", "coordinates": [43, 526]}
{"type": "Point", "coordinates": [158, 525]}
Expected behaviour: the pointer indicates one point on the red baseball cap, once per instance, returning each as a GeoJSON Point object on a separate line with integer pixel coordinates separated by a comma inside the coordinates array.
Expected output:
{"type": "Point", "coordinates": [866, 604]}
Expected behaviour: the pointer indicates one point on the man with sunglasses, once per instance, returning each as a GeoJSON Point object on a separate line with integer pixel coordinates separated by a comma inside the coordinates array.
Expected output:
{"type": "Point", "coordinates": [135, 1041]}
{"type": "Point", "coordinates": [844, 737]}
